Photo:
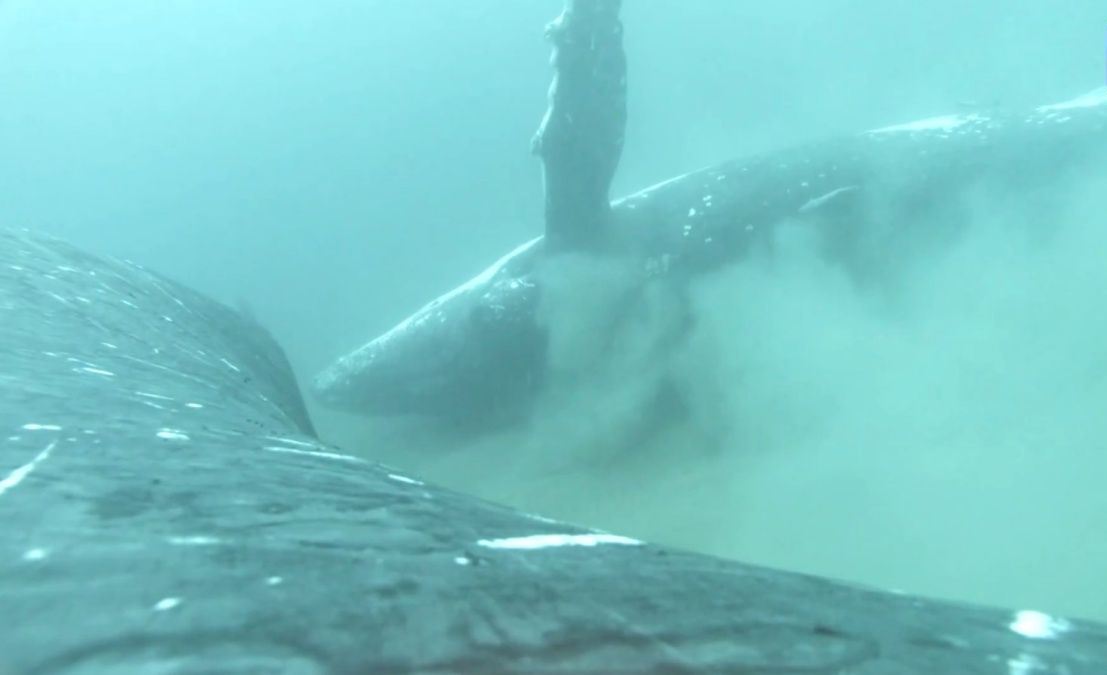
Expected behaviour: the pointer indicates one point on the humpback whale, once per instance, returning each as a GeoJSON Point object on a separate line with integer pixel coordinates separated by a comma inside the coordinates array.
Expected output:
{"type": "Point", "coordinates": [167, 507]}
{"type": "Point", "coordinates": [480, 350]}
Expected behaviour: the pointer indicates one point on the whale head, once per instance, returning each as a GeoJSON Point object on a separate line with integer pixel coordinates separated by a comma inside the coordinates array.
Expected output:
{"type": "Point", "coordinates": [474, 353]}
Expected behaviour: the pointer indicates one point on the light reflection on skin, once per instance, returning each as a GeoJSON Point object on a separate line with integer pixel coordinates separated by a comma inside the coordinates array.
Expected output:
{"type": "Point", "coordinates": [1025, 664]}
{"type": "Point", "coordinates": [1038, 625]}
{"type": "Point", "coordinates": [550, 540]}
{"type": "Point", "coordinates": [166, 604]}
{"type": "Point", "coordinates": [172, 435]}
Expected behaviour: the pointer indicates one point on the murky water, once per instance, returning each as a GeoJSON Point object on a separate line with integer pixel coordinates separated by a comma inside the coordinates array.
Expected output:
{"type": "Point", "coordinates": [333, 165]}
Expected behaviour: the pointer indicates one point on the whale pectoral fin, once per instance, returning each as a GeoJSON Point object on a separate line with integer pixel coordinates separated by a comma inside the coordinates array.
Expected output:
{"type": "Point", "coordinates": [580, 139]}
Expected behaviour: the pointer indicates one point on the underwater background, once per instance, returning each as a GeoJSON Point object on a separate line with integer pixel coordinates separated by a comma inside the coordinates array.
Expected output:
{"type": "Point", "coordinates": [331, 166]}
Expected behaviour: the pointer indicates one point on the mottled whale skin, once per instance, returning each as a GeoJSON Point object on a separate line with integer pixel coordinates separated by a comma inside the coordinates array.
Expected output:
{"type": "Point", "coordinates": [479, 350]}
{"type": "Point", "coordinates": [157, 466]}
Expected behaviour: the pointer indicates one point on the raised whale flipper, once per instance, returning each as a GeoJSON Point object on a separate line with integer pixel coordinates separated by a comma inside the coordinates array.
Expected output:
{"type": "Point", "coordinates": [580, 139]}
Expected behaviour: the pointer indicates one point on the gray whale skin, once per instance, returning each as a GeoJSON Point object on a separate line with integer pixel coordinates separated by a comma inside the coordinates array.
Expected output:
{"type": "Point", "coordinates": [479, 351]}
{"type": "Point", "coordinates": [167, 508]}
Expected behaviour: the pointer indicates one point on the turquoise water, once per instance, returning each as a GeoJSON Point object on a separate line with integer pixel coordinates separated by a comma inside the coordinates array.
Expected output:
{"type": "Point", "coordinates": [333, 165]}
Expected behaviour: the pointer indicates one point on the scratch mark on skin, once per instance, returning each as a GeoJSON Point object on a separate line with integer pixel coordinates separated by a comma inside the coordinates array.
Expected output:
{"type": "Point", "coordinates": [18, 475]}
{"type": "Point", "coordinates": [313, 453]}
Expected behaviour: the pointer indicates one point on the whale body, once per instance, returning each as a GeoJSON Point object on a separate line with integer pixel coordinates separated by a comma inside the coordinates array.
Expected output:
{"type": "Point", "coordinates": [480, 351]}
{"type": "Point", "coordinates": [157, 464]}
